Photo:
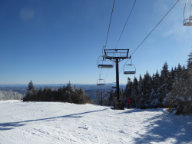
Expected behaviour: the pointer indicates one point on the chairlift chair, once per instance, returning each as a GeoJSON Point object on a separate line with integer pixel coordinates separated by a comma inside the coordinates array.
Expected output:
{"type": "Point", "coordinates": [113, 85]}
{"type": "Point", "coordinates": [105, 66]}
{"type": "Point", "coordinates": [129, 69]}
{"type": "Point", "coordinates": [100, 82]}
{"type": "Point", "coordinates": [187, 13]}
{"type": "Point", "coordinates": [103, 63]}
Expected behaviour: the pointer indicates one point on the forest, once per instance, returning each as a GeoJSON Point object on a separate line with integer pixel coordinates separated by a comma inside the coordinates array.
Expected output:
{"type": "Point", "coordinates": [168, 89]}
{"type": "Point", "coordinates": [63, 94]}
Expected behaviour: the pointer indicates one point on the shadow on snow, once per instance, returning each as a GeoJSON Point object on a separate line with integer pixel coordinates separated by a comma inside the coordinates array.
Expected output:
{"type": "Point", "coordinates": [128, 111]}
{"type": "Point", "coordinates": [166, 126]}
{"type": "Point", "coordinates": [12, 125]}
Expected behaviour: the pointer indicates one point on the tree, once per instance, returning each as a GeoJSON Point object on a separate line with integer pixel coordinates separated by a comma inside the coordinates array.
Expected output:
{"type": "Point", "coordinates": [63, 94]}
{"type": "Point", "coordinates": [182, 90]}
{"type": "Point", "coordinates": [30, 92]}
{"type": "Point", "coordinates": [30, 86]}
{"type": "Point", "coordinates": [134, 93]}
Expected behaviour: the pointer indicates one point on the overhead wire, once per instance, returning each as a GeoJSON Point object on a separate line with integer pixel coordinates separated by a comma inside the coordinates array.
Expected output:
{"type": "Point", "coordinates": [123, 29]}
{"type": "Point", "coordinates": [108, 31]}
{"type": "Point", "coordinates": [109, 26]}
{"type": "Point", "coordinates": [127, 20]}
{"type": "Point", "coordinates": [145, 38]}
{"type": "Point", "coordinates": [105, 46]}
{"type": "Point", "coordinates": [153, 29]}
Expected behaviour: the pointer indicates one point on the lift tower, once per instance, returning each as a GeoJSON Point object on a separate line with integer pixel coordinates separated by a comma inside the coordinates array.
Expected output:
{"type": "Point", "coordinates": [116, 55]}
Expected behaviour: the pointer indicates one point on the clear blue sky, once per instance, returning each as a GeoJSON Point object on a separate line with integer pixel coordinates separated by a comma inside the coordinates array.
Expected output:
{"type": "Point", "coordinates": [54, 41]}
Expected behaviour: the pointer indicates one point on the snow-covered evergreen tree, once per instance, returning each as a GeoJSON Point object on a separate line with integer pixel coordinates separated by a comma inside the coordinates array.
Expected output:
{"type": "Point", "coordinates": [183, 89]}
{"type": "Point", "coordinates": [171, 89]}
{"type": "Point", "coordinates": [10, 95]}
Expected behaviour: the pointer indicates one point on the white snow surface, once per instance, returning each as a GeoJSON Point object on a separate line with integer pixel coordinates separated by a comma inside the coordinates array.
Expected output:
{"type": "Point", "coordinates": [65, 123]}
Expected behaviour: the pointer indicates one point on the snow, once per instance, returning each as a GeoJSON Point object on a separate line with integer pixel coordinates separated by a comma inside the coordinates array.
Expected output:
{"type": "Point", "coordinates": [65, 123]}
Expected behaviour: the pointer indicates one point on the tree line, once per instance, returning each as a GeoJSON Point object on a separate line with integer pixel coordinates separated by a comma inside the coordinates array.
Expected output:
{"type": "Point", "coordinates": [63, 94]}
{"type": "Point", "coordinates": [169, 88]}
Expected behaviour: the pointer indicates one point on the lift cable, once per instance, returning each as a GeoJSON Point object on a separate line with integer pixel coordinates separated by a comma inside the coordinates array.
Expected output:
{"type": "Point", "coordinates": [108, 30]}
{"type": "Point", "coordinates": [109, 26]}
{"type": "Point", "coordinates": [127, 20]}
{"type": "Point", "coordinates": [153, 29]}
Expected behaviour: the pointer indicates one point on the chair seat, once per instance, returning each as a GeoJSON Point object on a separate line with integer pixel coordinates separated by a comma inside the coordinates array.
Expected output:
{"type": "Point", "coordinates": [105, 66]}
{"type": "Point", "coordinates": [129, 72]}
{"type": "Point", "coordinates": [187, 22]}
{"type": "Point", "coordinates": [100, 84]}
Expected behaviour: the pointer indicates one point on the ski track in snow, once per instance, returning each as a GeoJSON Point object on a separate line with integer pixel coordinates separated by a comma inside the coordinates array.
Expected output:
{"type": "Point", "coordinates": [64, 123]}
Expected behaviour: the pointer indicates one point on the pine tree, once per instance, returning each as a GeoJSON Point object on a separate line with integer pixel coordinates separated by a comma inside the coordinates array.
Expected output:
{"type": "Point", "coordinates": [146, 84]}
{"type": "Point", "coordinates": [154, 96]}
{"type": "Point", "coordinates": [30, 87]}
{"type": "Point", "coordinates": [182, 90]}
{"type": "Point", "coordinates": [30, 92]}
{"type": "Point", "coordinates": [164, 86]}
{"type": "Point", "coordinates": [134, 93]}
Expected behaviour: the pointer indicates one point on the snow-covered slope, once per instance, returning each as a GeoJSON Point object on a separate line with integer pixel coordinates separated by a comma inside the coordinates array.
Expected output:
{"type": "Point", "coordinates": [64, 123]}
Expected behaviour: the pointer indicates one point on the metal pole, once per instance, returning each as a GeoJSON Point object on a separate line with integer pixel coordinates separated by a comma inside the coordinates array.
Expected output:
{"type": "Point", "coordinates": [117, 78]}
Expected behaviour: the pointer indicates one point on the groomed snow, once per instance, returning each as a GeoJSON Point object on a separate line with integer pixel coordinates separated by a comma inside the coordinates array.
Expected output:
{"type": "Point", "coordinates": [64, 123]}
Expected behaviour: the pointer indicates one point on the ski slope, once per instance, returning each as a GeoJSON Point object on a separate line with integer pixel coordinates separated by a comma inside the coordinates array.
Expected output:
{"type": "Point", "coordinates": [64, 123]}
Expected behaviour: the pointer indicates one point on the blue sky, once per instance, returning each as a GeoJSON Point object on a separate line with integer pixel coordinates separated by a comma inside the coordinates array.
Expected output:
{"type": "Point", "coordinates": [54, 41]}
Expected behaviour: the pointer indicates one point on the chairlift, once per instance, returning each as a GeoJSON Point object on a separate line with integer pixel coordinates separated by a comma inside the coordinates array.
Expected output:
{"type": "Point", "coordinates": [100, 82]}
{"type": "Point", "coordinates": [129, 69]}
{"type": "Point", "coordinates": [113, 85]}
{"type": "Point", "coordinates": [102, 63]}
{"type": "Point", "coordinates": [187, 13]}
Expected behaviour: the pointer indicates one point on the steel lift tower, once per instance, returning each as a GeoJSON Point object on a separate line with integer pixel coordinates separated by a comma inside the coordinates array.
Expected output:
{"type": "Point", "coordinates": [116, 55]}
